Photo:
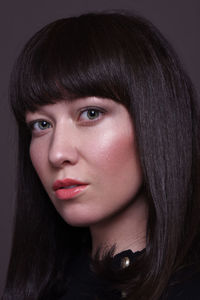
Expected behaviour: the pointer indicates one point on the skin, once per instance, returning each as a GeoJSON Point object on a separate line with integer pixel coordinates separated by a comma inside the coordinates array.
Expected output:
{"type": "Point", "coordinates": [98, 148]}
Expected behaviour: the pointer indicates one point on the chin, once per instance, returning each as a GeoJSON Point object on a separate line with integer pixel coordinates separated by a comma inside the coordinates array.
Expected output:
{"type": "Point", "coordinates": [78, 222]}
{"type": "Point", "coordinates": [78, 218]}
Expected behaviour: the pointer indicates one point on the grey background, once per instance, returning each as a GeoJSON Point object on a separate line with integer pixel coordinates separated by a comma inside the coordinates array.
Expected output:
{"type": "Point", "coordinates": [178, 20]}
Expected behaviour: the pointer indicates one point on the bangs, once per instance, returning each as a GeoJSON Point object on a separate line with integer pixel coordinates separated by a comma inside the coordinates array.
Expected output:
{"type": "Point", "coordinates": [112, 56]}
{"type": "Point", "coordinates": [69, 59]}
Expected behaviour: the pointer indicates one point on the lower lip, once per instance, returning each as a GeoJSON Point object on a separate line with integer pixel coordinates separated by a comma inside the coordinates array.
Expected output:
{"type": "Point", "coordinates": [64, 194]}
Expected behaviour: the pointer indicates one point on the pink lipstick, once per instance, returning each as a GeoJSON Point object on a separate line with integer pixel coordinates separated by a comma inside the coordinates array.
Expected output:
{"type": "Point", "coordinates": [68, 188]}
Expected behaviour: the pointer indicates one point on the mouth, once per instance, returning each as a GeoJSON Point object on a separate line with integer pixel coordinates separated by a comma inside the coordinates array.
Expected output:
{"type": "Point", "coordinates": [68, 188]}
{"type": "Point", "coordinates": [67, 183]}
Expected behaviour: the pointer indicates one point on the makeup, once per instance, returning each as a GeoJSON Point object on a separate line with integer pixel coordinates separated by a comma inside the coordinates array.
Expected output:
{"type": "Point", "coordinates": [88, 164]}
{"type": "Point", "coordinates": [68, 188]}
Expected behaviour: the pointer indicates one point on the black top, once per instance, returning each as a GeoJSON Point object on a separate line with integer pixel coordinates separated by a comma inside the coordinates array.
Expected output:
{"type": "Point", "coordinates": [84, 284]}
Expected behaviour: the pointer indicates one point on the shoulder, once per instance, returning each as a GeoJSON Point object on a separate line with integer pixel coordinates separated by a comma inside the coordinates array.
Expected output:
{"type": "Point", "coordinates": [185, 287]}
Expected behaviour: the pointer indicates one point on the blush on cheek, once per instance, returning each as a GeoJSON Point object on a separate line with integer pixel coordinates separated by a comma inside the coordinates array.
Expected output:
{"type": "Point", "coordinates": [119, 165]}
{"type": "Point", "coordinates": [117, 150]}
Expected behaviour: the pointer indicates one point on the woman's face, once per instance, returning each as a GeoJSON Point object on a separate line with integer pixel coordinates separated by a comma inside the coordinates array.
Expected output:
{"type": "Point", "coordinates": [90, 140]}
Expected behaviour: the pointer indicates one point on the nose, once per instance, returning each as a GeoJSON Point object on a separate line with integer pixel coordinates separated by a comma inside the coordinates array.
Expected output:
{"type": "Point", "coordinates": [63, 147]}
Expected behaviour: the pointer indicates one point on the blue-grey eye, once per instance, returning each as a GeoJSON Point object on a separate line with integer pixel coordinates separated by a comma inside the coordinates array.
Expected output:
{"type": "Point", "coordinates": [43, 125]}
{"type": "Point", "coordinates": [92, 114]}
{"type": "Point", "coordinates": [40, 125]}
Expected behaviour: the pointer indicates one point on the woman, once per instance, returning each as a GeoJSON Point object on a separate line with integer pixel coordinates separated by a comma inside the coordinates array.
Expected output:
{"type": "Point", "coordinates": [108, 202]}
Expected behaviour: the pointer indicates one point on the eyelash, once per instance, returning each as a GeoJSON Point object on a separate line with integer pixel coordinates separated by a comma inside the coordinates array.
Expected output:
{"type": "Point", "coordinates": [95, 109]}
{"type": "Point", "coordinates": [101, 111]}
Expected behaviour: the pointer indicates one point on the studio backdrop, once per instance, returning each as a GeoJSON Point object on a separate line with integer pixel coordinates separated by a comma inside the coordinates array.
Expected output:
{"type": "Point", "coordinates": [178, 20]}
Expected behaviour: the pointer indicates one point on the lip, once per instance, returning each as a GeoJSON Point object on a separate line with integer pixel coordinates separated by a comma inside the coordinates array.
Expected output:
{"type": "Point", "coordinates": [66, 182]}
{"type": "Point", "coordinates": [64, 193]}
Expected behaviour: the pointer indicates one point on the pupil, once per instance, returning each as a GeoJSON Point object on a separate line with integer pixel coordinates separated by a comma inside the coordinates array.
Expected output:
{"type": "Point", "coordinates": [92, 114]}
{"type": "Point", "coordinates": [43, 124]}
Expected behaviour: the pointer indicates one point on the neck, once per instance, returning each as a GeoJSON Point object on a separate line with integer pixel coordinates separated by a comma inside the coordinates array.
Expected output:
{"type": "Point", "coordinates": [126, 230]}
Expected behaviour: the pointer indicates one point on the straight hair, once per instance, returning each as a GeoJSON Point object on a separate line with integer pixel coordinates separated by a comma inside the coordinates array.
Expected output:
{"type": "Point", "coordinates": [125, 58]}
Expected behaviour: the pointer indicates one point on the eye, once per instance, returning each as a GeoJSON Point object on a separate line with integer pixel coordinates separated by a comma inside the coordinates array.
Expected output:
{"type": "Point", "coordinates": [91, 114]}
{"type": "Point", "coordinates": [39, 125]}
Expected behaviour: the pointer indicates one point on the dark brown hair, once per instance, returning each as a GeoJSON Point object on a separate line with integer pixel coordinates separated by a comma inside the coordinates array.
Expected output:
{"type": "Point", "coordinates": [124, 58]}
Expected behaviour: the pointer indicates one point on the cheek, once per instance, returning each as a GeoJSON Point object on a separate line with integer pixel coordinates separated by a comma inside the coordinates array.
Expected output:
{"type": "Point", "coordinates": [115, 154]}
{"type": "Point", "coordinates": [38, 158]}
{"type": "Point", "coordinates": [116, 171]}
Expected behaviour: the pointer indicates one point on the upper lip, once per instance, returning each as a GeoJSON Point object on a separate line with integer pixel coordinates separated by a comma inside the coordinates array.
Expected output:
{"type": "Point", "coordinates": [66, 182]}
